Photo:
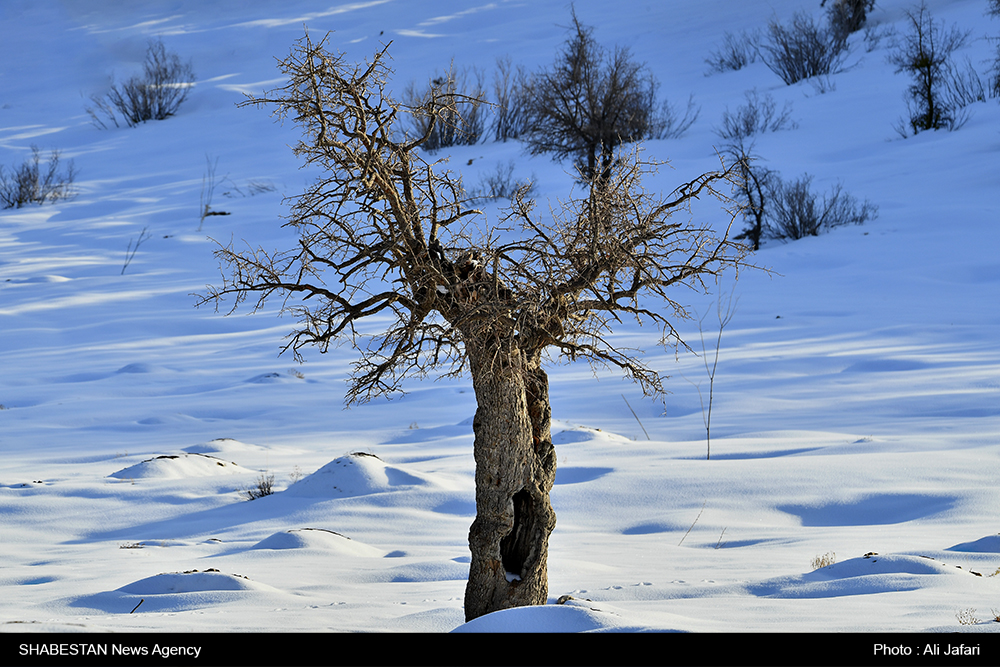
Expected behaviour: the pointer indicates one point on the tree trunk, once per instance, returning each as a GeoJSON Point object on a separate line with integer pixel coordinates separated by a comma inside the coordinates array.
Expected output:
{"type": "Point", "coordinates": [515, 469]}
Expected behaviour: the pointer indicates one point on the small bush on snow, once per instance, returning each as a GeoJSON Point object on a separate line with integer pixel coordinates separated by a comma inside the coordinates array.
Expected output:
{"type": "Point", "coordinates": [797, 212]}
{"type": "Point", "coordinates": [757, 116]}
{"type": "Point", "coordinates": [156, 95]}
{"type": "Point", "coordinates": [30, 183]}
{"type": "Point", "coordinates": [825, 560]}
{"type": "Point", "coordinates": [264, 486]}
{"type": "Point", "coordinates": [802, 49]}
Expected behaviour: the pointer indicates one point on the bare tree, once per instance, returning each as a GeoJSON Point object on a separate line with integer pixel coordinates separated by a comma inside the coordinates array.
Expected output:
{"type": "Point", "coordinates": [589, 102]}
{"type": "Point", "coordinates": [752, 192]}
{"type": "Point", "coordinates": [384, 234]}
{"type": "Point", "coordinates": [925, 54]}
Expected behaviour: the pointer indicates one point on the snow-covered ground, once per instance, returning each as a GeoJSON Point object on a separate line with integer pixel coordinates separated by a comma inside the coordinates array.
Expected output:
{"type": "Point", "coordinates": [857, 397]}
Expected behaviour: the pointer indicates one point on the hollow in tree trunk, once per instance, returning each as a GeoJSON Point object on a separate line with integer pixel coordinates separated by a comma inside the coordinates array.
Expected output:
{"type": "Point", "coordinates": [515, 469]}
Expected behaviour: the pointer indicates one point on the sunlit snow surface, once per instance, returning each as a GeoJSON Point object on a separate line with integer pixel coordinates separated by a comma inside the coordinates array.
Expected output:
{"type": "Point", "coordinates": [857, 397]}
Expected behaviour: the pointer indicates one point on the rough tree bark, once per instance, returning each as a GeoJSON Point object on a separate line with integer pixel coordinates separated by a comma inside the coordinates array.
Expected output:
{"type": "Point", "coordinates": [515, 469]}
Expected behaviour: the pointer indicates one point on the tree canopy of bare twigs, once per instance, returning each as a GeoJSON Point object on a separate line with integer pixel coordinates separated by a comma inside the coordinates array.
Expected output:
{"type": "Point", "coordinates": [393, 260]}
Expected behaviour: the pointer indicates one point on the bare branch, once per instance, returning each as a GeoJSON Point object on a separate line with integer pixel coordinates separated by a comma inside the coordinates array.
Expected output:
{"type": "Point", "coordinates": [382, 232]}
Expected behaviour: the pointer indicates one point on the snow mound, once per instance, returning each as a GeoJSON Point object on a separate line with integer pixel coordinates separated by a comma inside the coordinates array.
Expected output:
{"type": "Point", "coordinates": [191, 582]}
{"type": "Point", "coordinates": [585, 434]}
{"type": "Point", "coordinates": [878, 564]}
{"type": "Point", "coordinates": [223, 446]}
{"type": "Point", "coordinates": [179, 466]}
{"type": "Point", "coordinates": [356, 474]}
{"type": "Point", "coordinates": [317, 538]}
{"type": "Point", "coordinates": [138, 368]}
{"type": "Point", "coordinates": [869, 574]}
{"type": "Point", "coordinates": [573, 616]}
{"type": "Point", "coordinates": [988, 544]}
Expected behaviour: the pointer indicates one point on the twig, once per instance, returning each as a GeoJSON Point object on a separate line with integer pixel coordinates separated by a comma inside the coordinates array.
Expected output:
{"type": "Point", "coordinates": [207, 189]}
{"type": "Point", "coordinates": [141, 600]}
{"type": "Point", "coordinates": [692, 525]}
{"type": "Point", "coordinates": [724, 317]}
{"type": "Point", "coordinates": [636, 417]}
{"type": "Point", "coordinates": [130, 251]}
{"type": "Point", "coordinates": [719, 543]}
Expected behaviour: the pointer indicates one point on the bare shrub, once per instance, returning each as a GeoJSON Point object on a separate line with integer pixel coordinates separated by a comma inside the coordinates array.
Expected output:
{"type": "Point", "coordinates": [736, 52]}
{"type": "Point", "coordinates": [511, 90]}
{"type": "Point", "coordinates": [825, 560]}
{"type": "Point", "coordinates": [848, 16]}
{"type": "Point", "coordinates": [963, 86]}
{"type": "Point", "coordinates": [796, 212]}
{"type": "Point", "coordinates": [667, 123]}
{"type": "Point", "coordinates": [995, 81]}
{"type": "Point", "coordinates": [994, 10]}
{"type": "Point", "coordinates": [967, 616]}
{"type": "Point", "coordinates": [501, 184]}
{"type": "Point", "coordinates": [874, 34]}
{"type": "Point", "coordinates": [463, 121]}
{"type": "Point", "coordinates": [802, 49]}
{"type": "Point", "coordinates": [156, 95]}
{"type": "Point", "coordinates": [31, 183]}
{"type": "Point", "coordinates": [264, 486]}
{"type": "Point", "coordinates": [757, 116]}
{"type": "Point", "coordinates": [925, 54]}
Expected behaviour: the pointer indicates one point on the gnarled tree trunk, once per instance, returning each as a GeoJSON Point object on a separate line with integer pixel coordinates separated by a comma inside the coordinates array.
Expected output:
{"type": "Point", "coordinates": [515, 469]}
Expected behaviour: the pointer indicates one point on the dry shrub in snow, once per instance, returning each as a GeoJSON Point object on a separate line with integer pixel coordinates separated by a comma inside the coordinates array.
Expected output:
{"type": "Point", "coordinates": [847, 16]}
{"type": "Point", "coordinates": [156, 95]}
{"type": "Point", "coordinates": [463, 120]}
{"type": "Point", "coordinates": [802, 49]}
{"type": "Point", "coordinates": [512, 90]}
{"type": "Point", "coordinates": [796, 212]}
{"type": "Point", "coordinates": [501, 184]}
{"type": "Point", "coordinates": [825, 560]}
{"type": "Point", "coordinates": [30, 183]}
{"type": "Point", "coordinates": [758, 115]}
{"type": "Point", "coordinates": [736, 52]}
{"type": "Point", "coordinates": [264, 486]}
